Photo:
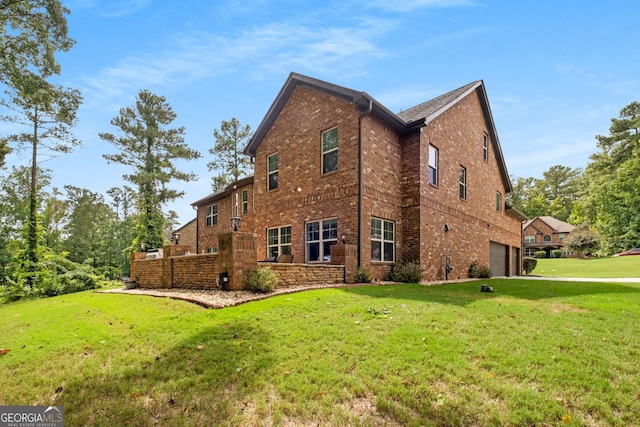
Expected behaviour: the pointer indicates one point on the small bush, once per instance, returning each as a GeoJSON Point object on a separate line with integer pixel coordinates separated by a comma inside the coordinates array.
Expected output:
{"type": "Point", "coordinates": [556, 253]}
{"type": "Point", "coordinates": [540, 254]}
{"type": "Point", "coordinates": [529, 264]}
{"type": "Point", "coordinates": [362, 276]}
{"type": "Point", "coordinates": [473, 269]}
{"type": "Point", "coordinates": [263, 280]}
{"type": "Point", "coordinates": [484, 271]}
{"type": "Point", "coordinates": [405, 272]}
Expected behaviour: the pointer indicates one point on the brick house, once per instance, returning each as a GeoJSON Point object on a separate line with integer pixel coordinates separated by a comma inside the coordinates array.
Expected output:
{"type": "Point", "coordinates": [545, 233]}
{"type": "Point", "coordinates": [333, 165]}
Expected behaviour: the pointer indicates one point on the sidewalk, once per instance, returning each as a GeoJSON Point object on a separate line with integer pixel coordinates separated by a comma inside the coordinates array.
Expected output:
{"type": "Point", "coordinates": [584, 279]}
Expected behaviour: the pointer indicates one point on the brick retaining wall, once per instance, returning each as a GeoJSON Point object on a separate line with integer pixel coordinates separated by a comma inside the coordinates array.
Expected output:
{"type": "Point", "coordinates": [306, 274]}
{"type": "Point", "coordinates": [196, 271]}
{"type": "Point", "coordinates": [148, 273]}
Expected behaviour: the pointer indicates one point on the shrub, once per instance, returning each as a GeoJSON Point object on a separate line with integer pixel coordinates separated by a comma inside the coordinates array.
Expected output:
{"type": "Point", "coordinates": [362, 276]}
{"type": "Point", "coordinates": [263, 280]}
{"type": "Point", "coordinates": [405, 272]}
{"type": "Point", "coordinates": [529, 264]}
{"type": "Point", "coordinates": [473, 269]}
{"type": "Point", "coordinates": [556, 253]}
{"type": "Point", "coordinates": [484, 271]}
{"type": "Point", "coordinates": [540, 254]}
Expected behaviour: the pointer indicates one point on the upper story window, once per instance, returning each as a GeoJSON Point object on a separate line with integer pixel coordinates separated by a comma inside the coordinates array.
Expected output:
{"type": "Point", "coordinates": [485, 147]}
{"type": "Point", "coordinates": [547, 238]}
{"type": "Point", "coordinates": [561, 236]}
{"type": "Point", "coordinates": [278, 241]}
{"type": "Point", "coordinates": [498, 202]}
{"type": "Point", "coordinates": [530, 238]}
{"type": "Point", "coordinates": [212, 215]}
{"type": "Point", "coordinates": [330, 150]}
{"type": "Point", "coordinates": [320, 236]}
{"type": "Point", "coordinates": [462, 185]}
{"type": "Point", "coordinates": [272, 171]}
{"type": "Point", "coordinates": [245, 202]}
{"type": "Point", "coordinates": [382, 240]}
{"type": "Point", "coordinates": [433, 165]}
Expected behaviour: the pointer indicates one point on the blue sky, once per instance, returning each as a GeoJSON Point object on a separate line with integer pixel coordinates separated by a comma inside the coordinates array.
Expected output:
{"type": "Point", "coordinates": [556, 72]}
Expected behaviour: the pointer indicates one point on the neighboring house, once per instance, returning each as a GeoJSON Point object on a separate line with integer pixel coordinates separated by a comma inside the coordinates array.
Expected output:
{"type": "Point", "coordinates": [334, 165]}
{"type": "Point", "coordinates": [545, 233]}
{"type": "Point", "coordinates": [186, 235]}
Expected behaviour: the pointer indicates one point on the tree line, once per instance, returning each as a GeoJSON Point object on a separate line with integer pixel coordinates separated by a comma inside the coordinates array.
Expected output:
{"type": "Point", "coordinates": [601, 199]}
{"type": "Point", "coordinates": [54, 241]}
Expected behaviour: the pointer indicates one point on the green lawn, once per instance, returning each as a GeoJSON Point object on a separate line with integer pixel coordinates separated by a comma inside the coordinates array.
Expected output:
{"type": "Point", "coordinates": [624, 266]}
{"type": "Point", "coordinates": [542, 353]}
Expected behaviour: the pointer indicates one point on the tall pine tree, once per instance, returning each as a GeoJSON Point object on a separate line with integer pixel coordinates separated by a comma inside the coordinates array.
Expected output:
{"type": "Point", "coordinates": [150, 148]}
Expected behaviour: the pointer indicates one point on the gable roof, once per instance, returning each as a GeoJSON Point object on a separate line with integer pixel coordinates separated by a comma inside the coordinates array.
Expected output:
{"type": "Point", "coordinates": [555, 224]}
{"type": "Point", "coordinates": [221, 194]}
{"type": "Point", "coordinates": [403, 123]}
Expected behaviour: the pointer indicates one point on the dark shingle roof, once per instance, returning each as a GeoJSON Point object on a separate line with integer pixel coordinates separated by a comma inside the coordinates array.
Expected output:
{"type": "Point", "coordinates": [432, 108]}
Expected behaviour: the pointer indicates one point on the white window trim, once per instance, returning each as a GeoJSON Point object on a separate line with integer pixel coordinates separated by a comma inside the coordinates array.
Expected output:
{"type": "Point", "coordinates": [328, 151]}
{"type": "Point", "coordinates": [435, 165]}
{"type": "Point", "coordinates": [321, 241]}
{"type": "Point", "coordinates": [462, 184]}
{"type": "Point", "coordinates": [210, 214]}
{"type": "Point", "coordinates": [382, 241]}
{"type": "Point", "coordinates": [279, 245]}
{"type": "Point", "coordinates": [272, 172]}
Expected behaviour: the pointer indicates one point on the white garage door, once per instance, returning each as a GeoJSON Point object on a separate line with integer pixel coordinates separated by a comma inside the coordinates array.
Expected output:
{"type": "Point", "coordinates": [499, 256]}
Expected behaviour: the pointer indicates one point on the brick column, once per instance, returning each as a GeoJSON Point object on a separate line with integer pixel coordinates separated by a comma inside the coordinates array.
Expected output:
{"type": "Point", "coordinates": [347, 255]}
{"type": "Point", "coordinates": [237, 253]}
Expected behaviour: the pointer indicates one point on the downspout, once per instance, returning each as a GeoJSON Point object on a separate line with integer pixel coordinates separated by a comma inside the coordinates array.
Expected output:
{"type": "Point", "coordinates": [360, 175]}
{"type": "Point", "coordinates": [197, 229]}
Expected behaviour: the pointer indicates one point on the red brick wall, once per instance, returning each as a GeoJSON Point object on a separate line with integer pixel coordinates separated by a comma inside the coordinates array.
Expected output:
{"type": "Point", "coordinates": [296, 137]}
{"type": "Point", "coordinates": [208, 236]}
{"type": "Point", "coordinates": [458, 134]}
{"type": "Point", "coordinates": [539, 229]}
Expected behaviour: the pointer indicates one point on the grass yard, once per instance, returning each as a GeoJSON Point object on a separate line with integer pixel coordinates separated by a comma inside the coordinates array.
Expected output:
{"type": "Point", "coordinates": [624, 266]}
{"type": "Point", "coordinates": [545, 353]}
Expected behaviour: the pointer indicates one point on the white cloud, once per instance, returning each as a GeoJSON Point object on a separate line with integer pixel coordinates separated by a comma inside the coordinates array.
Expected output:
{"type": "Point", "coordinates": [276, 47]}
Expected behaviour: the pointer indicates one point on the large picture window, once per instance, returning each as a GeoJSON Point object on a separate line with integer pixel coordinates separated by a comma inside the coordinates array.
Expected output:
{"type": "Point", "coordinates": [279, 241]}
{"type": "Point", "coordinates": [320, 236]}
{"type": "Point", "coordinates": [433, 165]}
{"type": "Point", "coordinates": [212, 215]}
{"type": "Point", "coordinates": [382, 240]}
{"type": "Point", "coordinates": [330, 150]}
{"type": "Point", "coordinates": [272, 171]}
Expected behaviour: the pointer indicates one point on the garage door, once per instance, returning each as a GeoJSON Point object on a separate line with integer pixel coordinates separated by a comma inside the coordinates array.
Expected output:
{"type": "Point", "coordinates": [499, 255]}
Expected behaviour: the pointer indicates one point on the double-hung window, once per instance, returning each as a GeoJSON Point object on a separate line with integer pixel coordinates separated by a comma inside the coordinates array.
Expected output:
{"type": "Point", "coordinates": [330, 150]}
{"type": "Point", "coordinates": [245, 202]}
{"type": "Point", "coordinates": [382, 240]}
{"type": "Point", "coordinates": [212, 215]}
{"type": "Point", "coordinates": [462, 191]}
{"type": "Point", "coordinates": [485, 147]}
{"type": "Point", "coordinates": [529, 238]}
{"type": "Point", "coordinates": [433, 165]}
{"type": "Point", "coordinates": [272, 171]}
{"type": "Point", "coordinates": [279, 241]}
{"type": "Point", "coordinates": [320, 236]}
